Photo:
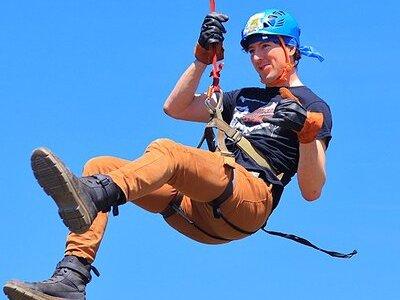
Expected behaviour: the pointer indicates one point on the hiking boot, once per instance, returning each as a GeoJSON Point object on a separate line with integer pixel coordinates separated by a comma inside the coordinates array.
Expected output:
{"type": "Point", "coordinates": [78, 199]}
{"type": "Point", "coordinates": [68, 281]}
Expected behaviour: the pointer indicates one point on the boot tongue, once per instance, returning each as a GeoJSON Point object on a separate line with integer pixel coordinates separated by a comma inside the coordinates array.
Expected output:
{"type": "Point", "coordinates": [58, 272]}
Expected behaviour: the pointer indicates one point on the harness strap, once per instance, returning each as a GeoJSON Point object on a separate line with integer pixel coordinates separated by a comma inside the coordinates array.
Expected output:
{"type": "Point", "coordinates": [174, 207]}
{"type": "Point", "coordinates": [252, 152]}
{"type": "Point", "coordinates": [216, 206]}
{"type": "Point", "coordinates": [230, 132]}
{"type": "Point", "coordinates": [236, 227]}
{"type": "Point", "coordinates": [226, 194]}
{"type": "Point", "coordinates": [175, 202]}
{"type": "Point", "coordinates": [215, 106]}
{"type": "Point", "coordinates": [305, 242]}
{"type": "Point", "coordinates": [210, 136]}
{"type": "Point", "coordinates": [225, 130]}
{"type": "Point", "coordinates": [243, 143]}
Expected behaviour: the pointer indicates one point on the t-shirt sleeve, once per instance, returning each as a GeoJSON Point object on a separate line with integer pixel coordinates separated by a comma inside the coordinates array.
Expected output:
{"type": "Point", "coordinates": [326, 130]}
{"type": "Point", "coordinates": [229, 103]}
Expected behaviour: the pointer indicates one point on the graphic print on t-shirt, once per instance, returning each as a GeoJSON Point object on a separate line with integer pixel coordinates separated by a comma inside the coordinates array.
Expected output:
{"type": "Point", "coordinates": [248, 120]}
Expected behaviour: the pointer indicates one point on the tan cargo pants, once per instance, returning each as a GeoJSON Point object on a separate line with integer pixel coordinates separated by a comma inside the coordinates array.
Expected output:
{"type": "Point", "coordinates": [167, 168]}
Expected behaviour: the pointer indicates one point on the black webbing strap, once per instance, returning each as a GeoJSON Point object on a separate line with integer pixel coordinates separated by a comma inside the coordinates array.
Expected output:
{"type": "Point", "coordinates": [305, 242]}
{"type": "Point", "coordinates": [218, 214]}
{"type": "Point", "coordinates": [216, 204]}
{"type": "Point", "coordinates": [236, 227]}
{"type": "Point", "coordinates": [226, 194]}
{"type": "Point", "coordinates": [209, 137]}
{"type": "Point", "coordinates": [175, 202]}
{"type": "Point", "coordinates": [174, 207]}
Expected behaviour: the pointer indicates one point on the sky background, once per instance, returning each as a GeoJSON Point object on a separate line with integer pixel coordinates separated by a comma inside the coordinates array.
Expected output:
{"type": "Point", "coordinates": [89, 78]}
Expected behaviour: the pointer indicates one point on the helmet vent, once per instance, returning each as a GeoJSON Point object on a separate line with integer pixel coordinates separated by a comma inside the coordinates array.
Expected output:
{"type": "Point", "coordinates": [273, 21]}
{"type": "Point", "coordinates": [279, 12]}
{"type": "Point", "coordinates": [280, 23]}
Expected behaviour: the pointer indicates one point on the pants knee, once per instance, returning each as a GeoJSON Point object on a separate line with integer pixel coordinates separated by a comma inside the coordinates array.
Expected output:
{"type": "Point", "coordinates": [163, 145]}
{"type": "Point", "coordinates": [96, 165]}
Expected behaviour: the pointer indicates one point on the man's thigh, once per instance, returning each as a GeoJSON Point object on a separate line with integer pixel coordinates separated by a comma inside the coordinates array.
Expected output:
{"type": "Point", "coordinates": [248, 208]}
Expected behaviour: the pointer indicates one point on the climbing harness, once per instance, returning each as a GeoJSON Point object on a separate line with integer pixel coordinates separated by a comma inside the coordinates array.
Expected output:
{"type": "Point", "coordinates": [214, 104]}
{"type": "Point", "coordinates": [174, 207]}
{"type": "Point", "coordinates": [224, 130]}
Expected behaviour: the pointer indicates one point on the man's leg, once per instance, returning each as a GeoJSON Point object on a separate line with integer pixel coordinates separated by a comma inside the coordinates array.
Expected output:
{"type": "Point", "coordinates": [72, 273]}
{"type": "Point", "coordinates": [200, 175]}
{"type": "Point", "coordinates": [164, 162]}
{"type": "Point", "coordinates": [86, 245]}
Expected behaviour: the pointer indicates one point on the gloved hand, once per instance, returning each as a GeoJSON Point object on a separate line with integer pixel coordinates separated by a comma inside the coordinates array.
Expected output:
{"type": "Point", "coordinates": [290, 114]}
{"type": "Point", "coordinates": [211, 36]}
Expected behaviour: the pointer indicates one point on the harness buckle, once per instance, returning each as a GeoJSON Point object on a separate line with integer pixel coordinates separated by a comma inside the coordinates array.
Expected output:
{"type": "Point", "coordinates": [214, 99]}
{"type": "Point", "coordinates": [216, 212]}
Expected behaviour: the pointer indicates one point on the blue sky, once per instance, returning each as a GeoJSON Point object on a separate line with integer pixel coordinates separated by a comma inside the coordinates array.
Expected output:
{"type": "Point", "coordinates": [89, 78]}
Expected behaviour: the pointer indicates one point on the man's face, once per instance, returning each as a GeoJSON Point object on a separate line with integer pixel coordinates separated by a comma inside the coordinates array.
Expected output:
{"type": "Point", "coordinates": [268, 59]}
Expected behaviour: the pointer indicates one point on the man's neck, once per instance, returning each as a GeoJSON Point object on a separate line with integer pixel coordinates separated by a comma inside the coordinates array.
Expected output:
{"type": "Point", "coordinates": [294, 80]}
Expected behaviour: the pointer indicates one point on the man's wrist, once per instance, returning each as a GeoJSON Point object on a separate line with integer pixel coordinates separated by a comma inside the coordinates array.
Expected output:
{"type": "Point", "coordinates": [200, 64]}
{"type": "Point", "coordinates": [311, 127]}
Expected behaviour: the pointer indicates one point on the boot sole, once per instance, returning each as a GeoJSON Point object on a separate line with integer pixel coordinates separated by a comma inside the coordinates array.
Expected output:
{"type": "Point", "coordinates": [57, 181]}
{"type": "Point", "coordinates": [18, 291]}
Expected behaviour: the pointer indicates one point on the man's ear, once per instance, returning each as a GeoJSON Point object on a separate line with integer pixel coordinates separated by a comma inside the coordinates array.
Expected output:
{"type": "Point", "coordinates": [292, 50]}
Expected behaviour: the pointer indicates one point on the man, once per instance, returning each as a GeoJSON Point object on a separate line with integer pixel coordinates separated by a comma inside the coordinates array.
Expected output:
{"type": "Point", "coordinates": [202, 194]}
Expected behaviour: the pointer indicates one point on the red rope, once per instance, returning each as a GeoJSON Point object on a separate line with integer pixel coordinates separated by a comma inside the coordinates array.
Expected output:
{"type": "Point", "coordinates": [216, 68]}
{"type": "Point", "coordinates": [212, 5]}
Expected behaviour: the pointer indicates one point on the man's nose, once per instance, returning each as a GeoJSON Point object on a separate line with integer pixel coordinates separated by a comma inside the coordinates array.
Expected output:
{"type": "Point", "coordinates": [256, 56]}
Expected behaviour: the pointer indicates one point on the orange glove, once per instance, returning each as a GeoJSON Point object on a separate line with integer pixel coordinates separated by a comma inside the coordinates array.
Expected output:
{"type": "Point", "coordinates": [290, 114]}
{"type": "Point", "coordinates": [312, 124]}
{"type": "Point", "coordinates": [211, 37]}
{"type": "Point", "coordinates": [311, 128]}
{"type": "Point", "coordinates": [206, 56]}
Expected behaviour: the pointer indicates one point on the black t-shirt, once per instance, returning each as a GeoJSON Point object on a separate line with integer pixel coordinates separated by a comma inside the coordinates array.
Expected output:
{"type": "Point", "coordinates": [244, 110]}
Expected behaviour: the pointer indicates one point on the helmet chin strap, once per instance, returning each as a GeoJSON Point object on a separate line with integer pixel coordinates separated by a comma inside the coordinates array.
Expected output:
{"type": "Point", "coordinates": [283, 79]}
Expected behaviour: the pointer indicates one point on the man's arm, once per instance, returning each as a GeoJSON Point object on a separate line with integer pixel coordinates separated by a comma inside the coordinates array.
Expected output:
{"type": "Point", "coordinates": [290, 114]}
{"type": "Point", "coordinates": [311, 174]}
{"type": "Point", "coordinates": [183, 103]}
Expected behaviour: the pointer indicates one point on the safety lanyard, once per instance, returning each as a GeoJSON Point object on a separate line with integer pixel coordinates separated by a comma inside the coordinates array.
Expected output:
{"type": "Point", "coordinates": [216, 68]}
